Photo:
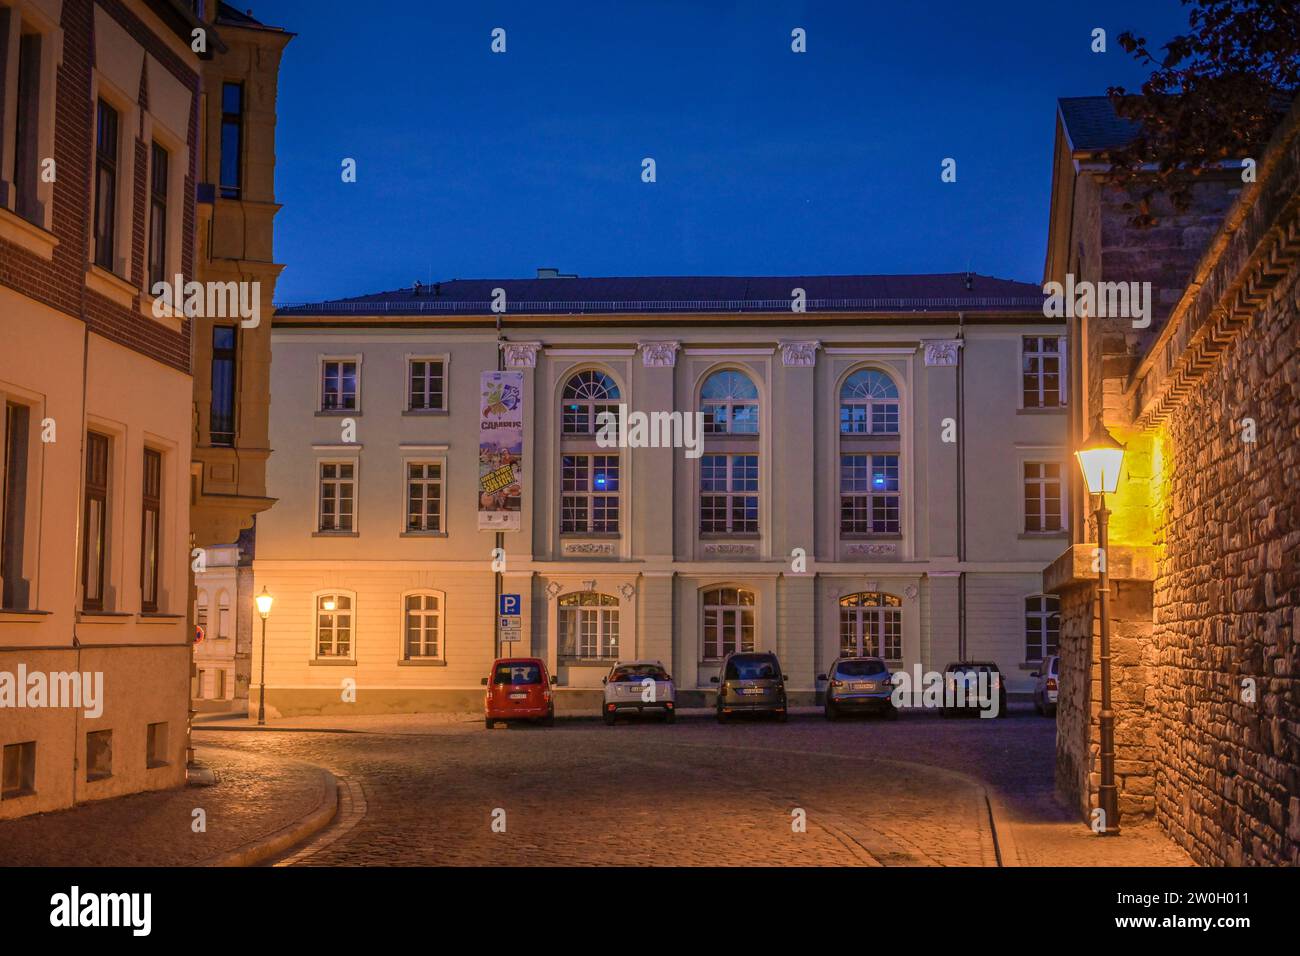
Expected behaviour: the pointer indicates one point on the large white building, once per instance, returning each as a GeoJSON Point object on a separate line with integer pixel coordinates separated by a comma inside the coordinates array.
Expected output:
{"type": "Point", "coordinates": [883, 472]}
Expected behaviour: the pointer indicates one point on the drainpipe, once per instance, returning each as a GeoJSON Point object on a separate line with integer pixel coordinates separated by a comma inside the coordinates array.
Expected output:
{"type": "Point", "coordinates": [499, 582]}
{"type": "Point", "coordinates": [961, 490]}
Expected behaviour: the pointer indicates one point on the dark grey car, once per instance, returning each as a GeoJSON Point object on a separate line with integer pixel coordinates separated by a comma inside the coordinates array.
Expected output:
{"type": "Point", "coordinates": [861, 684]}
{"type": "Point", "coordinates": [751, 682]}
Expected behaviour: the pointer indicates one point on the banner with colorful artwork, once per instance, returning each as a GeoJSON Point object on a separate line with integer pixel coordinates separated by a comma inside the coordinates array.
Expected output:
{"type": "Point", "coordinates": [500, 450]}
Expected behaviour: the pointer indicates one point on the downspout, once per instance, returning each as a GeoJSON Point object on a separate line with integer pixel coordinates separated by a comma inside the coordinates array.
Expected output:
{"type": "Point", "coordinates": [961, 489]}
{"type": "Point", "coordinates": [499, 581]}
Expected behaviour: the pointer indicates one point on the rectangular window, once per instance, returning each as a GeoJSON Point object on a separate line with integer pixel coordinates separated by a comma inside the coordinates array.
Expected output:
{"type": "Point", "coordinates": [333, 625]}
{"type": "Point", "coordinates": [94, 531]}
{"type": "Point", "coordinates": [156, 745]}
{"type": "Point", "coordinates": [219, 685]}
{"type": "Point", "coordinates": [869, 495]}
{"type": "Point", "coordinates": [423, 625]}
{"type": "Point", "coordinates": [729, 494]}
{"type": "Point", "coordinates": [13, 515]}
{"type": "Point", "coordinates": [1042, 497]}
{"type": "Point", "coordinates": [27, 129]}
{"type": "Point", "coordinates": [728, 622]}
{"type": "Point", "coordinates": [150, 520]}
{"type": "Point", "coordinates": [18, 770]}
{"type": "Point", "coordinates": [589, 499]}
{"type": "Point", "coordinates": [1042, 626]}
{"type": "Point", "coordinates": [1042, 371]}
{"type": "Point", "coordinates": [221, 418]}
{"type": "Point", "coordinates": [105, 186]}
{"type": "Point", "coordinates": [338, 390]}
{"type": "Point", "coordinates": [158, 217]}
{"type": "Point", "coordinates": [99, 754]}
{"type": "Point", "coordinates": [337, 495]}
{"type": "Point", "coordinates": [232, 134]}
{"type": "Point", "coordinates": [423, 496]}
{"type": "Point", "coordinates": [426, 385]}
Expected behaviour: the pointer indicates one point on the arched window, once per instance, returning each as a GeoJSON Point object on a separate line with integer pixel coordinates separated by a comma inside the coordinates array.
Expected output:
{"type": "Point", "coordinates": [729, 401]}
{"type": "Point", "coordinates": [871, 625]}
{"type": "Point", "coordinates": [585, 396]}
{"type": "Point", "coordinates": [728, 622]}
{"type": "Point", "coordinates": [334, 625]}
{"type": "Point", "coordinates": [201, 609]}
{"type": "Point", "coordinates": [869, 404]}
{"type": "Point", "coordinates": [1042, 626]}
{"type": "Point", "coordinates": [422, 624]}
{"type": "Point", "coordinates": [588, 624]}
{"type": "Point", "coordinates": [223, 615]}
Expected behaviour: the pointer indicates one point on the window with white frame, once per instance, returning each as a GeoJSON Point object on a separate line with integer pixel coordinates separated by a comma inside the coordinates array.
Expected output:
{"type": "Point", "coordinates": [334, 625]}
{"type": "Point", "coordinates": [729, 403]}
{"type": "Point", "coordinates": [1043, 382]}
{"type": "Point", "coordinates": [729, 494]}
{"type": "Point", "coordinates": [869, 404]}
{"type": "Point", "coordinates": [871, 625]}
{"type": "Point", "coordinates": [338, 488]}
{"type": "Point", "coordinates": [588, 624]}
{"type": "Point", "coordinates": [589, 495]}
{"type": "Point", "coordinates": [201, 610]}
{"type": "Point", "coordinates": [339, 384]}
{"type": "Point", "coordinates": [1043, 497]}
{"type": "Point", "coordinates": [107, 175]}
{"type": "Point", "coordinates": [426, 380]}
{"type": "Point", "coordinates": [423, 625]}
{"type": "Point", "coordinates": [1042, 626]}
{"type": "Point", "coordinates": [223, 615]}
{"type": "Point", "coordinates": [728, 622]}
{"type": "Point", "coordinates": [424, 496]}
{"type": "Point", "coordinates": [586, 395]}
{"type": "Point", "coordinates": [869, 494]}
{"type": "Point", "coordinates": [28, 114]}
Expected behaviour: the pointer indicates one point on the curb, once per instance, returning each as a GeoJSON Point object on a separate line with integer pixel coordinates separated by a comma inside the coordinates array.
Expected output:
{"type": "Point", "coordinates": [259, 851]}
{"type": "Point", "coordinates": [1004, 842]}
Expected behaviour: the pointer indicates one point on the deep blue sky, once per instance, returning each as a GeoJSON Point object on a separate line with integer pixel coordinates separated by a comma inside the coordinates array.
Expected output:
{"type": "Point", "coordinates": [475, 165]}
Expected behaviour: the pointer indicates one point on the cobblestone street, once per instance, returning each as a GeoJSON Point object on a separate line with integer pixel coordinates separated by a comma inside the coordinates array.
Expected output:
{"type": "Point", "coordinates": [423, 790]}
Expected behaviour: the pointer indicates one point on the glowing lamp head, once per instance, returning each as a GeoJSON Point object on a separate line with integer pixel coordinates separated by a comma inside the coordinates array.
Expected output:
{"type": "Point", "coordinates": [1101, 458]}
{"type": "Point", "coordinates": [263, 602]}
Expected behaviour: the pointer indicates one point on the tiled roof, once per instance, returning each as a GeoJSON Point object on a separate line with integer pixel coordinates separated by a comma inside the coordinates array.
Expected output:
{"type": "Point", "coordinates": [692, 294]}
{"type": "Point", "coordinates": [1093, 124]}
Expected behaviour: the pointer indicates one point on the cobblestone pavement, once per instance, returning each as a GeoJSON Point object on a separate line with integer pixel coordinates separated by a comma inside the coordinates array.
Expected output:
{"type": "Point", "coordinates": [909, 792]}
{"type": "Point", "coordinates": [258, 792]}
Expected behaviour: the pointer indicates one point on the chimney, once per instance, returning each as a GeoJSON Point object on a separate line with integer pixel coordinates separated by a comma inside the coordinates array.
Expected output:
{"type": "Point", "coordinates": [548, 272]}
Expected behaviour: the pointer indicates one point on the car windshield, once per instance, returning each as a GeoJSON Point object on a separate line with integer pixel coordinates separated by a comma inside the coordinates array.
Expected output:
{"type": "Point", "coordinates": [867, 668]}
{"type": "Point", "coordinates": [752, 668]}
{"type": "Point", "coordinates": [638, 672]}
{"type": "Point", "coordinates": [517, 674]}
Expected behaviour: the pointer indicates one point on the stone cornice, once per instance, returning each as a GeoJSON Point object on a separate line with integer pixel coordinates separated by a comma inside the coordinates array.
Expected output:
{"type": "Point", "coordinates": [1257, 245]}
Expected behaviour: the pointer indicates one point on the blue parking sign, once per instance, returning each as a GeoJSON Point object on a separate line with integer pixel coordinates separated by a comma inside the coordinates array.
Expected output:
{"type": "Point", "coordinates": [510, 605]}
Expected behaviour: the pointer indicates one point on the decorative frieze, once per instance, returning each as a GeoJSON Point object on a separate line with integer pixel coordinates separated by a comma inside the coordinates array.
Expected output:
{"type": "Point", "coordinates": [941, 351]}
{"type": "Point", "coordinates": [799, 354]}
{"type": "Point", "coordinates": [521, 354]}
{"type": "Point", "coordinates": [588, 548]}
{"type": "Point", "coordinates": [659, 354]}
{"type": "Point", "coordinates": [730, 549]}
{"type": "Point", "coordinates": [875, 549]}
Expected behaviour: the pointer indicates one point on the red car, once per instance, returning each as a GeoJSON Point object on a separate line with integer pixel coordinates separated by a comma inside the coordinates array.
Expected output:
{"type": "Point", "coordinates": [519, 689]}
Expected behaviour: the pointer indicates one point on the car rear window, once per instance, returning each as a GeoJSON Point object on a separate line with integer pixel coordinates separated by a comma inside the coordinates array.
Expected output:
{"type": "Point", "coordinates": [861, 668]}
{"type": "Point", "coordinates": [517, 674]}
{"type": "Point", "coordinates": [1056, 667]}
{"type": "Point", "coordinates": [752, 668]}
{"type": "Point", "coordinates": [637, 673]}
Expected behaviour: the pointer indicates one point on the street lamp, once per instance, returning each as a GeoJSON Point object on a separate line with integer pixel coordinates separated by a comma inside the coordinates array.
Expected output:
{"type": "Point", "coordinates": [1101, 458]}
{"type": "Point", "coordinates": [263, 601]}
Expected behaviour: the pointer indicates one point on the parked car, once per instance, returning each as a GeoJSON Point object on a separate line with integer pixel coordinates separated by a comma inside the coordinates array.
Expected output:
{"type": "Point", "coordinates": [519, 689]}
{"type": "Point", "coordinates": [962, 692]}
{"type": "Point", "coordinates": [861, 684]}
{"type": "Point", "coordinates": [1047, 685]}
{"type": "Point", "coordinates": [641, 687]}
{"type": "Point", "coordinates": [751, 682]}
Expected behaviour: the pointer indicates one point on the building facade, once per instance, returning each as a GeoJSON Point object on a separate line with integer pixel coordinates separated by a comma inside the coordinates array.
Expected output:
{"type": "Point", "coordinates": [94, 648]}
{"type": "Point", "coordinates": [1204, 526]}
{"type": "Point", "coordinates": [881, 473]}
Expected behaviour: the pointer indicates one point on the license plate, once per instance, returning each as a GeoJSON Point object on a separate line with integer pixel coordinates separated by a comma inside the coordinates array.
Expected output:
{"type": "Point", "coordinates": [518, 696]}
{"type": "Point", "coordinates": [752, 691]}
{"type": "Point", "coordinates": [867, 685]}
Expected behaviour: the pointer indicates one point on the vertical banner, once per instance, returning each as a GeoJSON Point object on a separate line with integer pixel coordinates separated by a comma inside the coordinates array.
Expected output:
{"type": "Point", "coordinates": [500, 450]}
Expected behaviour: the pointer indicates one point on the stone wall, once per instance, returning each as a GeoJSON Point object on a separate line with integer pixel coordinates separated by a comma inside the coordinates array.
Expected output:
{"type": "Point", "coordinates": [1227, 585]}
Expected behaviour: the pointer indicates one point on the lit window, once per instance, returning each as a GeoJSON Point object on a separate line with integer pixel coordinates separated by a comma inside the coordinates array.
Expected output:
{"type": "Point", "coordinates": [869, 494]}
{"type": "Point", "coordinates": [588, 625]}
{"type": "Point", "coordinates": [589, 500]}
{"type": "Point", "coordinates": [728, 622]}
{"type": "Point", "coordinates": [871, 625]}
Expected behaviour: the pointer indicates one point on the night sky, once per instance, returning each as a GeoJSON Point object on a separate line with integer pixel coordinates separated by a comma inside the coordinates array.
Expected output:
{"type": "Point", "coordinates": [472, 164]}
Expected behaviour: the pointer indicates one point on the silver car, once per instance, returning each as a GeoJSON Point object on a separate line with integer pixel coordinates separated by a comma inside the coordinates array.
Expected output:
{"type": "Point", "coordinates": [859, 684]}
{"type": "Point", "coordinates": [639, 687]}
{"type": "Point", "coordinates": [1047, 685]}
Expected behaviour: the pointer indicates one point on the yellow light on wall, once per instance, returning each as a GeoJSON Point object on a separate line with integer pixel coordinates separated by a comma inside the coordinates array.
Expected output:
{"type": "Point", "coordinates": [1100, 459]}
{"type": "Point", "coordinates": [264, 601]}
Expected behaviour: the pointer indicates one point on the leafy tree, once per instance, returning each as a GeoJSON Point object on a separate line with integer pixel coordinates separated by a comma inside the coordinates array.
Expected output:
{"type": "Point", "coordinates": [1215, 94]}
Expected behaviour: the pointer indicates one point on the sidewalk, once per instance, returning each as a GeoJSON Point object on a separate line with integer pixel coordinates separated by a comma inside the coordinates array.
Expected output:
{"type": "Point", "coordinates": [256, 800]}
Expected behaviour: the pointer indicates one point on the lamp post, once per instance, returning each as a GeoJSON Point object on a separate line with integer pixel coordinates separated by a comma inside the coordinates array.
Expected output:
{"type": "Point", "coordinates": [1101, 458]}
{"type": "Point", "coordinates": [263, 601]}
